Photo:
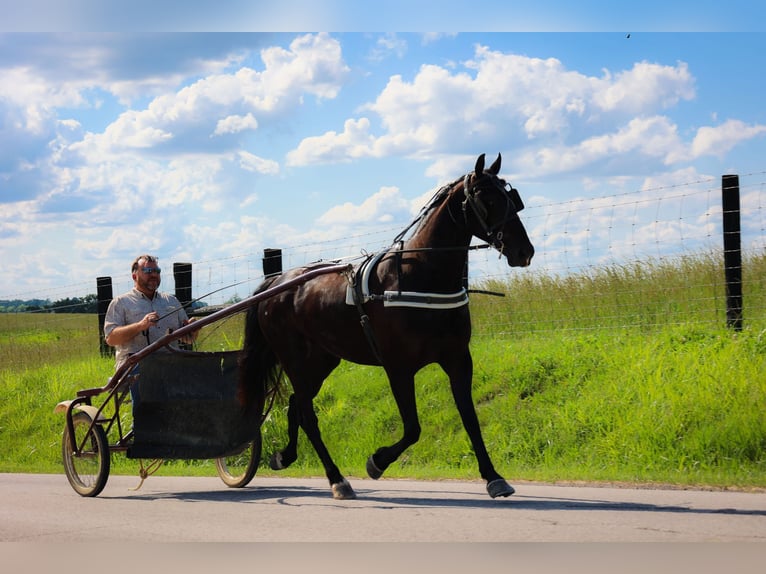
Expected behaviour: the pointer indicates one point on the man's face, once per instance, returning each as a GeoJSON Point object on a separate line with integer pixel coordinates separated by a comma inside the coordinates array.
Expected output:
{"type": "Point", "coordinates": [147, 277]}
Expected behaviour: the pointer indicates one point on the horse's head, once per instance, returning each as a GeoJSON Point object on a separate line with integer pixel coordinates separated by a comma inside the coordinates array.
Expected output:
{"type": "Point", "coordinates": [491, 208]}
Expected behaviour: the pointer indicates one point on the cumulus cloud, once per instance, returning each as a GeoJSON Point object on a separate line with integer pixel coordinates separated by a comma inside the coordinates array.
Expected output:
{"type": "Point", "coordinates": [719, 140]}
{"type": "Point", "coordinates": [235, 123]}
{"type": "Point", "coordinates": [186, 119]}
{"type": "Point", "coordinates": [513, 99]}
{"type": "Point", "coordinates": [381, 207]}
{"type": "Point", "coordinates": [654, 137]}
{"type": "Point", "coordinates": [253, 163]}
{"type": "Point", "coordinates": [352, 143]}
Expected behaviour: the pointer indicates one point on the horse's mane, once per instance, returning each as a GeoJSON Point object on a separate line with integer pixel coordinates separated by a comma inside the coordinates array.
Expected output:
{"type": "Point", "coordinates": [436, 200]}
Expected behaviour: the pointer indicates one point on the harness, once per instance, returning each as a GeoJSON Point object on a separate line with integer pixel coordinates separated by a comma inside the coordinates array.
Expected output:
{"type": "Point", "coordinates": [358, 290]}
{"type": "Point", "coordinates": [358, 293]}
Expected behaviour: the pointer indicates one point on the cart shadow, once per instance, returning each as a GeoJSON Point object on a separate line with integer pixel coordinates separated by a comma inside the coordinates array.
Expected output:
{"type": "Point", "coordinates": [383, 499]}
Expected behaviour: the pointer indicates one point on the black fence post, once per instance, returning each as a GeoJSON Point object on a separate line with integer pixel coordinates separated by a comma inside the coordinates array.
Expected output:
{"type": "Point", "coordinates": [272, 262]}
{"type": "Point", "coordinates": [182, 274]}
{"type": "Point", "coordinates": [104, 297]}
{"type": "Point", "coordinates": [732, 250]}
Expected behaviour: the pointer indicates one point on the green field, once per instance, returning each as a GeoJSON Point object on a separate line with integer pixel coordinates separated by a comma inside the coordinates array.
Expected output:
{"type": "Point", "coordinates": [622, 374]}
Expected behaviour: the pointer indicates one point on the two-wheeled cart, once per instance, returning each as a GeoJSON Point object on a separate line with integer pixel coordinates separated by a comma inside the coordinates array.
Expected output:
{"type": "Point", "coordinates": [184, 406]}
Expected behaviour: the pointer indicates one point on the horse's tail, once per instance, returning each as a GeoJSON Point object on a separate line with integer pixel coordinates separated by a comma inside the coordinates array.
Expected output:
{"type": "Point", "coordinates": [259, 369]}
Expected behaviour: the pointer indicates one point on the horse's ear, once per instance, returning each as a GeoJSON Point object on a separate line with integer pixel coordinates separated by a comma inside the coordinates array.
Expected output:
{"type": "Point", "coordinates": [494, 169]}
{"type": "Point", "coordinates": [479, 169]}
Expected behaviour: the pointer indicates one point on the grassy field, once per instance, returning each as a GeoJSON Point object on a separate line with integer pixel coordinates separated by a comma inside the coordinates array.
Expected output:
{"type": "Point", "coordinates": [624, 374]}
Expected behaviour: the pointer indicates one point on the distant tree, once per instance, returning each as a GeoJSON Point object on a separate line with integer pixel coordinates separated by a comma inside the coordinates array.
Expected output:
{"type": "Point", "coordinates": [87, 304]}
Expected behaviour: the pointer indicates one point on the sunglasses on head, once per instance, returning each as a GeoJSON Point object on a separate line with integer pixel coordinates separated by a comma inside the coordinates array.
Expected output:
{"type": "Point", "coordinates": [150, 270]}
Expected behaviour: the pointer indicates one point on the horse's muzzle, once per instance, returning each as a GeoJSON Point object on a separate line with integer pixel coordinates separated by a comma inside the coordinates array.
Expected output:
{"type": "Point", "coordinates": [520, 257]}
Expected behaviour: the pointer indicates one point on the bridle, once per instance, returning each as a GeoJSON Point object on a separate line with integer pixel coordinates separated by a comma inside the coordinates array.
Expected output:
{"type": "Point", "coordinates": [513, 205]}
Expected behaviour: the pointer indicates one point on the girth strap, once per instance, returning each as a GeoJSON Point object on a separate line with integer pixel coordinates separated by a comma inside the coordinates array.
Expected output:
{"type": "Point", "coordinates": [364, 318]}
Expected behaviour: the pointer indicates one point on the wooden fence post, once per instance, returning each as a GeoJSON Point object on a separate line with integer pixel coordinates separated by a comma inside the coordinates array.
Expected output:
{"type": "Point", "coordinates": [104, 297]}
{"type": "Point", "coordinates": [732, 250]}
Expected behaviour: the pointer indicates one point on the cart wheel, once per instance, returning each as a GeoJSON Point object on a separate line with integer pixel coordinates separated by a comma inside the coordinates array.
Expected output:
{"type": "Point", "coordinates": [88, 472]}
{"type": "Point", "coordinates": [238, 470]}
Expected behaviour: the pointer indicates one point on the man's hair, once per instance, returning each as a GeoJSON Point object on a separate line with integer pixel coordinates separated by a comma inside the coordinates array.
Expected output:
{"type": "Point", "coordinates": [146, 258]}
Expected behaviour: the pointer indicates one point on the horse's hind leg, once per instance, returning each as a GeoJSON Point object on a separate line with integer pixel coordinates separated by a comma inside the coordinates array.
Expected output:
{"type": "Point", "coordinates": [341, 489]}
{"type": "Point", "coordinates": [306, 376]}
{"type": "Point", "coordinates": [460, 372]}
{"type": "Point", "coordinates": [288, 455]}
{"type": "Point", "coordinates": [403, 388]}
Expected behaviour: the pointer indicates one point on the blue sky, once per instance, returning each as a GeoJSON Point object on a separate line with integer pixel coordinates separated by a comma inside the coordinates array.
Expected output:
{"type": "Point", "coordinates": [208, 147]}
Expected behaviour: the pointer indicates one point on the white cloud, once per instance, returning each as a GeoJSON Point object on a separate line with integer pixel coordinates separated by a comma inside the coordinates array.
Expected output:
{"type": "Point", "coordinates": [654, 137]}
{"type": "Point", "coordinates": [34, 99]}
{"type": "Point", "coordinates": [354, 142]}
{"type": "Point", "coordinates": [235, 123]}
{"type": "Point", "coordinates": [389, 44]}
{"type": "Point", "coordinates": [644, 86]}
{"type": "Point", "coordinates": [381, 207]}
{"type": "Point", "coordinates": [513, 99]}
{"type": "Point", "coordinates": [312, 65]}
{"type": "Point", "coordinates": [250, 162]}
{"type": "Point", "coordinates": [719, 140]}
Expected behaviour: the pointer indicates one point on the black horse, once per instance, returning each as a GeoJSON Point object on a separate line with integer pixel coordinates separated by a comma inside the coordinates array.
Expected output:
{"type": "Point", "coordinates": [402, 309]}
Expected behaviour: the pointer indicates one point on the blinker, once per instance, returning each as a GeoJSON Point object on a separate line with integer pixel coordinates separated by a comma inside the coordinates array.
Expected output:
{"type": "Point", "coordinates": [515, 198]}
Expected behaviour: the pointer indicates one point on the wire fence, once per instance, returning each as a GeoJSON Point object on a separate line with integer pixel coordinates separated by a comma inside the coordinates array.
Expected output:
{"type": "Point", "coordinates": [643, 257]}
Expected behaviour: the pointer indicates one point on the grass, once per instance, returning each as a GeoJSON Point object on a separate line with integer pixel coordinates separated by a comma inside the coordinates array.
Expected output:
{"type": "Point", "coordinates": [624, 374]}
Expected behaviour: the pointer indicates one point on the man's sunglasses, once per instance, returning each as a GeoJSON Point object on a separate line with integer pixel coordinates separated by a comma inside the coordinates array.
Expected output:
{"type": "Point", "coordinates": [150, 270]}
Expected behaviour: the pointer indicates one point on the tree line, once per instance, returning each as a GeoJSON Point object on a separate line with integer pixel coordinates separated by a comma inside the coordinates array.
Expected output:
{"type": "Point", "coordinates": [86, 304]}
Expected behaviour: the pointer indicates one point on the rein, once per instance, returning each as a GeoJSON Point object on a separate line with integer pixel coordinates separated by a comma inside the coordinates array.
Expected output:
{"type": "Point", "coordinates": [193, 301]}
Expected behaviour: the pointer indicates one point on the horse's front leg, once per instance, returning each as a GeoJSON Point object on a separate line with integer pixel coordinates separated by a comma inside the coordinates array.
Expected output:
{"type": "Point", "coordinates": [460, 371]}
{"type": "Point", "coordinates": [403, 388]}
{"type": "Point", "coordinates": [288, 455]}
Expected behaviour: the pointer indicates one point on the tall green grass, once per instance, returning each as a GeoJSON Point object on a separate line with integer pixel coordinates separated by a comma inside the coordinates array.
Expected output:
{"type": "Point", "coordinates": [644, 295]}
{"type": "Point", "coordinates": [624, 373]}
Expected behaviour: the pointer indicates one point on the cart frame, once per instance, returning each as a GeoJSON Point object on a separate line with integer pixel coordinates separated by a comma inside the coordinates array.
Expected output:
{"type": "Point", "coordinates": [88, 426]}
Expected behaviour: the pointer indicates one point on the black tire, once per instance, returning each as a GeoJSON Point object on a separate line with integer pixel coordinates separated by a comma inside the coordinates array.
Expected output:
{"type": "Point", "coordinates": [88, 472]}
{"type": "Point", "coordinates": [236, 471]}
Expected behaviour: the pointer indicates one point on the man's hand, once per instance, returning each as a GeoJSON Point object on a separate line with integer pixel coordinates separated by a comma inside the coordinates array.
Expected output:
{"type": "Point", "coordinates": [192, 336]}
{"type": "Point", "coordinates": [149, 320]}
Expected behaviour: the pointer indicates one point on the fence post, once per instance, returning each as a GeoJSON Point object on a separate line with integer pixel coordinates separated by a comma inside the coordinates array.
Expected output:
{"type": "Point", "coordinates": [732, 250]}
{"type": "Point", "coordinates": [103, 298]}
{"type": "Point", "coordinates": [182, 274]}
{"type": "Point", "coordinates": [272, 262]}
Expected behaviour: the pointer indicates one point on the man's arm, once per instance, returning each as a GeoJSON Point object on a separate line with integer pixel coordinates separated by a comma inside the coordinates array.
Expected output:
{"type": "Point", "coordinates": [124, 333]}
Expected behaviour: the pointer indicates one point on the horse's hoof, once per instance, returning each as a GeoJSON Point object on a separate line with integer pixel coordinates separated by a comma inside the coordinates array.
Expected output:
{"type": "Point", "coordinates": [372, 470]}
{"type": "Point", "coordinates": [343, 491]}
{"type": "Point", "coordinates": [499, 487]}
{"type": "Point", "coordinates": [275, 462]}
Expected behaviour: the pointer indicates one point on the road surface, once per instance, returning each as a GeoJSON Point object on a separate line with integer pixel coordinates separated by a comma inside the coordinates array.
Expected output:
{"type": "Point", "coordinates": [35, 508]}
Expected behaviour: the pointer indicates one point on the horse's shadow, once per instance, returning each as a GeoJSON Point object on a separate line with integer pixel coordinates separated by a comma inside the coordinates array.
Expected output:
{"type": "Point", "coordinates": [380, 498]}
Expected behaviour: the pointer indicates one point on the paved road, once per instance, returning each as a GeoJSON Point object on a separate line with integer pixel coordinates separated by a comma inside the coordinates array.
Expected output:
{"type": "Point", "coordinates": [294, 519]}
{"type": "Point", "coordinates": [274, 509]}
